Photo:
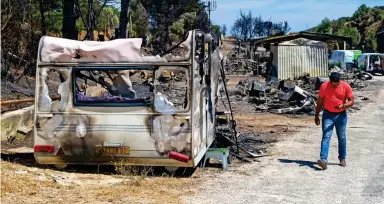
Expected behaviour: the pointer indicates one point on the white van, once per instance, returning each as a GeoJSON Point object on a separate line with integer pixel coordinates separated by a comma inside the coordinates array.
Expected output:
{"type": "Point", "coordinates": [117, 105]}
{"type": "Point", "coordinates": [371, 62]}
{"type": "Point", "coordinates": [343, 58]}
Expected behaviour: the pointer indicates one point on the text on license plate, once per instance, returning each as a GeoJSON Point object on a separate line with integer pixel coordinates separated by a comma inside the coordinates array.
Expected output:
{"type": "Point", "coordinates": [116, 150]}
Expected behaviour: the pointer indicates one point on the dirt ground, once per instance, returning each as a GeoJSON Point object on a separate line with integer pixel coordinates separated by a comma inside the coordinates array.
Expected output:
{"type": "Point", "coordinates": [24, 184]}
{"type": "Point", "coordinates": [292, 138]}
{"type": "Point", "coordinates": [290, 173]}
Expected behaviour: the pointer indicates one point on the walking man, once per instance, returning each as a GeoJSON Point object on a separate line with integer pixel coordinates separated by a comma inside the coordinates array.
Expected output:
{"type": "Point", "coordinates": [335, 96]}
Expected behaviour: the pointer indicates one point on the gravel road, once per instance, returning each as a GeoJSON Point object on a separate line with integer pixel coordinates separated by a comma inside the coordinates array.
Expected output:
{"type": "Point", "coordinates": [290, 174]}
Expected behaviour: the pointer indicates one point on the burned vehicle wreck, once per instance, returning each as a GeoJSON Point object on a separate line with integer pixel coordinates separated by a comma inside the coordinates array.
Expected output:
{"type": "Point", "coordinates": [117, 105]}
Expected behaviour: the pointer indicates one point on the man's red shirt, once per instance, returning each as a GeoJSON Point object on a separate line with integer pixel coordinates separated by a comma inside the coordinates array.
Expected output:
{"type": "Point", "coordinates": [335, 96]}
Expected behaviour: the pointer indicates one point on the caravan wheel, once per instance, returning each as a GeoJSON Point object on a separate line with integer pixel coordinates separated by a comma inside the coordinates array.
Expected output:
{"type": "Point", "coordinates": [60, 166]}
{"type": "Point", "coordinates": [181, 171]}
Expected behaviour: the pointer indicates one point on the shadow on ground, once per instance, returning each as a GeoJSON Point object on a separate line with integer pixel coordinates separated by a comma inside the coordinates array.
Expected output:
{"type": "Point", "coordinates": [310, 164]}
{"type": "Point", "coordinates": [28, 160]}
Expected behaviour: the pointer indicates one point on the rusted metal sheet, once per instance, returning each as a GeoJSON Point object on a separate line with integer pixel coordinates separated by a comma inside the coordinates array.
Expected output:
{"type": "Point", "coordinates": [293, 61]}
{"type": "Point", "coordinates": [14, 102]}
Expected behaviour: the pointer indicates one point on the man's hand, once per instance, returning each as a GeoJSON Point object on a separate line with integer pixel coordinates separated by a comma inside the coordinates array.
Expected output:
{"type": "Point", "coordinates": [317, 120]}
{"type": "Point", "coordinates": [341, 106]}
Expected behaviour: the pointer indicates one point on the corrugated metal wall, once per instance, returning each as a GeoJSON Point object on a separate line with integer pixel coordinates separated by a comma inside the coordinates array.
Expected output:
{"type": "Point", "coordinates": [295, 60]}
{"type": "Point", "coordinates": [275, 58]}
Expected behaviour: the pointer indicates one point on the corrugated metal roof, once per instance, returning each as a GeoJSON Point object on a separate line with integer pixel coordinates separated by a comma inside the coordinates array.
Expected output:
{"type": "Point", "coordinates": [308, 35]}
{"type": "Point", "coordinates": [303, 41]}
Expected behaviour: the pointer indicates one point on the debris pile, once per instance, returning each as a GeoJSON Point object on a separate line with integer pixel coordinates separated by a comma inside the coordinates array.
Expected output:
{"type": "Point", "coordinates": [252, 142]}
{"type": "Point", "coordinates": [238, 64]}
{"type": "Point", "coordinates": [173, 85]}
{"type": "Point", "coordinates": [354, 77]}
{"type": "Point", "coordinates": [284, 97]}
{"type": "Point", "coordinates": [289, 96]}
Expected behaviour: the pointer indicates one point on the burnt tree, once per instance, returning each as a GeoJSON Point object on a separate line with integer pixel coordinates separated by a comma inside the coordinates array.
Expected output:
{"type": "Point", "coordinates": [123, 19]}
{"type": "Point", "coordinates": [42, 20]}
{"type": "Point", "coordinates": [69, 20]}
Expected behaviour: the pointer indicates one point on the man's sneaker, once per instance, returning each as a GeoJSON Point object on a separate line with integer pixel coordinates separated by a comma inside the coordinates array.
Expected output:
{"type": "Point", "coordinates": [343, 163]}
{"type": "Point", "coordinates": [322, 164]}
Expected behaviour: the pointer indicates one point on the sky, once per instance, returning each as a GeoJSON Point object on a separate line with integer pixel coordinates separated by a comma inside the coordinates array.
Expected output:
{"type": "Point", "coordinates": [300, 14]}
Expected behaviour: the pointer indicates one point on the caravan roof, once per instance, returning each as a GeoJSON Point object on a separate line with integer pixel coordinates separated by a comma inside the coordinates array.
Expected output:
{"type": "Point", "coordinates": [60, 50]}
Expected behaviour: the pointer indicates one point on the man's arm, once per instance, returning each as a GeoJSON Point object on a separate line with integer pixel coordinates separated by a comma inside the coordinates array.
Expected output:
{"type": "Point", "coordinates": [320, 103]}
{"type": "Point", "coordinates": [350, 102]}
{"type": "Point", "coordinates": [350, 99]}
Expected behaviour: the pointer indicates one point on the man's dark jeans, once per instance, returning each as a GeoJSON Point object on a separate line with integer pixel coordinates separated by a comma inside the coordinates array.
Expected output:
{"type": "Point", "coordinates": [329, 121]}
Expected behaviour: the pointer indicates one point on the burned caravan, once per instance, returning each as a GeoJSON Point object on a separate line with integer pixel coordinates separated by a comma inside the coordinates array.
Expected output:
{"type": "Point", "coordinates": [117, 105]}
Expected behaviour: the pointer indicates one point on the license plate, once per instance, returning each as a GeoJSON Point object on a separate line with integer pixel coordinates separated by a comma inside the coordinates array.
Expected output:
{"type": "Point", "coordinates": [116, 150]}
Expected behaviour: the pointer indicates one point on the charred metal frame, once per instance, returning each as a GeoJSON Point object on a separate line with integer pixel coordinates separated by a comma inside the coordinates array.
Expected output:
{"type": "Point", "coordinates": [100, 104]}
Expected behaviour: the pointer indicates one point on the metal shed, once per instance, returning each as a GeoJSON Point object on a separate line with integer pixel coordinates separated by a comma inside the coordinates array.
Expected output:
{"type": "Point", "coordinates": [298, 53]}
{"type": "Point", "coordinates": [291, 59]}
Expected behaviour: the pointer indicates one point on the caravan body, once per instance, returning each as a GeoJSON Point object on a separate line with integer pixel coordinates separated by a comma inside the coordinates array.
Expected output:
{"type": "Point", "coordinates": [117, 105]}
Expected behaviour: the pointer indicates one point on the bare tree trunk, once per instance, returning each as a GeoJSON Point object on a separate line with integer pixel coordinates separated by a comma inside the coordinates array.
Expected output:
{"type": "Point", "coordinates": [91, 20]}
{"type": "Point", "coordinates": [124, 18]}
{"type": "Point", "coordinates": [43, 22]}
{"type": "Point", "coordinates": [69, 20]}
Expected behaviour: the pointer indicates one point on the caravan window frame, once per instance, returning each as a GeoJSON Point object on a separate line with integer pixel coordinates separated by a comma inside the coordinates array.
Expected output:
{"type": "Point", "coordinates": [76, 103]}
{"type": "Point", "coordinates": [188, 95]}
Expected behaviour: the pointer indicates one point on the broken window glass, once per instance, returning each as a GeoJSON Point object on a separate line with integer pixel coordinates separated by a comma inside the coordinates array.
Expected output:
{"type": "Point", "coordinates": [374, 59]}
{"type": "Point", "coordinates": [171, 85]}
{"type": "Point", "coordinates": [111, 86]}
{"type": "Point", "coordinates": [53, 89]}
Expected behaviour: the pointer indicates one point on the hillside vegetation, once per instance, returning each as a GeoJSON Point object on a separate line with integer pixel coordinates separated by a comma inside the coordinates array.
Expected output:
{"type": "Point", "coordinates": [361, 27]}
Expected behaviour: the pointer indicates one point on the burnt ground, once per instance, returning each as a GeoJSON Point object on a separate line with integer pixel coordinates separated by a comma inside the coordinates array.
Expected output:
{"type": "Point", "coordinates": [23, 89]}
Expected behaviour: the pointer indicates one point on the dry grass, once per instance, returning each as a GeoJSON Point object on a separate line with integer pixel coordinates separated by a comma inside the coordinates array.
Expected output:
{"type": "Point", "coordinates": [14, 180]}
{"type": "Point", "coordinates": [20, 183]}
{"type": "Point", "coordinates": [127, 170]}
{"type": "Point", "coordinates": [153, 190]}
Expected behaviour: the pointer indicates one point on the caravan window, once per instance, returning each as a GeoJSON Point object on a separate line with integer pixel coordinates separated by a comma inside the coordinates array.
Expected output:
{"type": "Point", "coordinates": [112, 87]}
{"type": "Point", "coordinates": [374, 59]}
{"type": "Point", "coordinates": [53, 89]}
{"type": "Point", "coordinates": [171, 84]}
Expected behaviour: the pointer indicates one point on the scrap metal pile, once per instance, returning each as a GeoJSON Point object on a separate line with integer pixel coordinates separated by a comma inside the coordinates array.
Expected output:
{"type": "Point", "coordinates": [289, 96]}
{"type": "Point", "coordinates": [281, 97]}
{"type": "Point", "coordinates": [238, 64]}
